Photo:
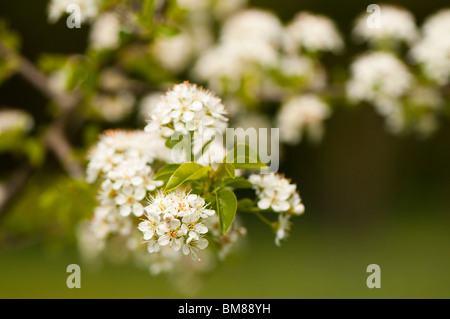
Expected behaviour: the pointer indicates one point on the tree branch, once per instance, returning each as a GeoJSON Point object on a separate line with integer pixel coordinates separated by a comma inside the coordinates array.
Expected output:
{"type": "Point", "coordinates": [56, 140]}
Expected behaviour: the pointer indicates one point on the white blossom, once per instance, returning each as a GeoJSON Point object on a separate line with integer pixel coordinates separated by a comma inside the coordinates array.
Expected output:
{"type": "Point", "coordinates": [312, 32]}
{"type": "Point", "coordinates": [304, 69]}
{"type": "Point", "coordinates": [174, 52]}
{"type": "Point", "coordinates": [283, 227]}
{"type": "Point", "coordinates": [114, 108]}
{"type": "Point", "coordinates": [396, 24]}
{"type": "Point", "coordinates": [112, 79]}
{"type": "Point", "coordinates": [12, 120]}
{"type": "Point", "coordinates": [116, 147]}
{"type": "Point", "coordinates": [380, 78]}
{"type": "Point", "coordinates": [105, 32]}
{"type": "Point", "coordinates": [302, 114]}
{"type": "Point", "coordinates": [88, 9]}
{"type": "Point", "coordinates": [433, 50]}
{"type": "Point", "coordinates": [254, 25]}
{"type": "Point", "coordinates": [188, 109]}
{"type": "Point", "coordinates": [277, 193]}
{"type": "Point", "coordinates": [176, 220]}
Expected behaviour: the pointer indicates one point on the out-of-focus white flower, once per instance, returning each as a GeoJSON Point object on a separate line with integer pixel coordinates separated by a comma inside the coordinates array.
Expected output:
{"type": "Point", "coordinates": [312, 32]}
{"type": "Point", "coordinates": [106, 222]}
{"type": "Point", "coordinates": [423, 105]}
{"type": "Point", "coordinates": [231, 60]}
{"type": "Point", "coordinates": [303, 68]}
{"type": "Point", "coordinates": [379, 78]}
{"type": "Point", "coordinates": [176, 220]}
{"type": "Point", "coordinates": [163, 262]}
{"type": "Point", "coordinates": [175, 52]}
{"type": "Point", "coordinates": [276, 192]}
{"type": "Point", "coordinates": [249, 43]}
{"type": "Point", "coordinates": [93, 234]}
{"type": "Point", "coordinates": [105, 32]}
{"type": "Point", "coordinates": [283, 228]}
{"type": "Point", "coordinates": [113, 80]}
{"type": "Point", "coordinates": [433, 50]}
{"type": "Point", "coordinates": [58, 80]}
{"type": "Point", "coordinates": [114, 108]}
{"type": "Point", "coordinates": [188, 109]}
{"type": "Point", "coordinates": [223, 9]}
{"type": "Point", "coordinates": [397, 24]}
{"type": "Point", "coordinates": [229, 242]}
{"type": "Point", "coordinates": [253, 25]}
{"type": "Point", "coordinates": [300, 114]}
{"type": "Point", "coordinates": [193, 5]}
{"type": "Point", "coordinates": [15, 121]}
{"type": "Point", "coordinates": [88, 9]}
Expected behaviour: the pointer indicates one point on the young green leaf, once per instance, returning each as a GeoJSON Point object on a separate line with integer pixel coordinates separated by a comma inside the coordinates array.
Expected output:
{"type": "Point", "coordinates": [165, 172]}
{"type": "Point", "coordinates": [226, 206]}
{"type": "Point", "coordinates": [225, 171]}
{"type": "Point", "coordinates": [186, 172]}
{"type": "Point", "coordinates": [238, 183]}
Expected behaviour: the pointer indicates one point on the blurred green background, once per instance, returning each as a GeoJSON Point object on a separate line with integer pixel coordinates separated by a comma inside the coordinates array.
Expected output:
{"type": "Point", "coordinates": [370, 197]}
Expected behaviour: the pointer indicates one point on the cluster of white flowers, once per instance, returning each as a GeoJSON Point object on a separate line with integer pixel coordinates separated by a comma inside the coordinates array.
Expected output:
{"type": "Point", "coordinates": [15, 121]}
{"type": "Point", "coordinates": [89, 9]}
{"type": "Point", "coordinates": [220, 9]}
{"type": "Point", "coordinates": [276, 192]}
{"type": "Point", "coordinates": [396, 24]}
{"type": "Point", "coordinates": [176, 220]}
{"type": "Point", "coordinates": [249, 39]}
{"type": "Point", "coordinates": [433, 50]}
{"type": "Point", "coordinates": [312, 32]}
{"type": "Point", "coordinates": [299, 114]}
{"type": "Point", "coordinates": [117, 147]}
{"type": "Point", "coordinates": [121, 160]}
{"type": "Point", "coordinates": [188, 109]}
{"type": "Point", "coordinates": [379, 78]}
{"type": "Point", "coordinates": [256, 53]}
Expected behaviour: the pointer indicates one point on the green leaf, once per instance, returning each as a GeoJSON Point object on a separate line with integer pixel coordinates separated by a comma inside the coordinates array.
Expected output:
{"type": "Point", "coordinates": [226, 206]}
{"type": "Point", "coordinates": [165, 172]}
{"type": "Point", "coordinates": [238, 183]}
{"type": "Point", "coordinates": [225, 171]}
{"type": "Point", "coordinates": [186, 172]}
{"type": "Point", "coordinates": [243, 156]}
{"type": "Point", "coordinates": [167, 169]}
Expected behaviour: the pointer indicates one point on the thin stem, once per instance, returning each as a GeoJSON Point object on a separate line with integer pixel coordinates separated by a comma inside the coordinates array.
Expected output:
{"type": "Point", "coordinates": [264, 219]}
